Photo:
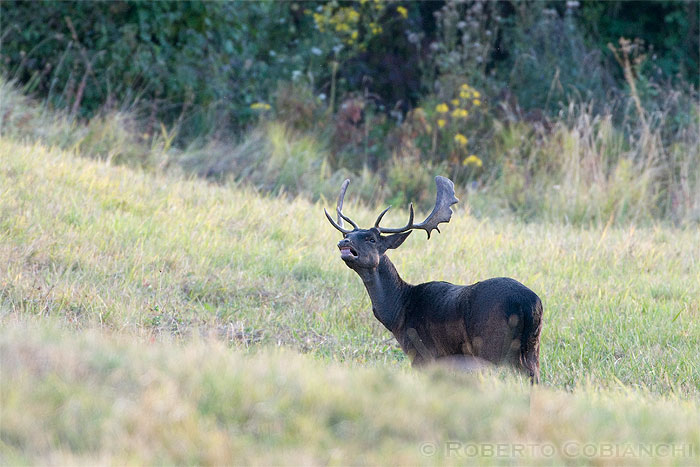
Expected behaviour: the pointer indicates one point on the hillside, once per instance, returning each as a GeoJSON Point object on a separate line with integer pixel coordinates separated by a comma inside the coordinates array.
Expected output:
{"type": "Point", "coordinates": [143, 314]}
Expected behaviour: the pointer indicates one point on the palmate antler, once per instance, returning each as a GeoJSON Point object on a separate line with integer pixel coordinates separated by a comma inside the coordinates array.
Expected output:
{"type": "Point", "coordinates": [441, 212]}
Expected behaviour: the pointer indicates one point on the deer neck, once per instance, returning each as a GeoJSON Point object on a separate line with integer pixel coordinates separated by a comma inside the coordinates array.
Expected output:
{"type": "Point", "coordinates": [387, 291]}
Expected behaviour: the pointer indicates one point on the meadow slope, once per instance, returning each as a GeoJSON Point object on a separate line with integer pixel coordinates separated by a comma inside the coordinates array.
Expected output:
{"type": "Point", "coordinates": [141, 315]}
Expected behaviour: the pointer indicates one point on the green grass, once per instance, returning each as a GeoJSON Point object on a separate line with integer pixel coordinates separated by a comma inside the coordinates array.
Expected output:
{"type": "Point", "coordinates": [84, 397]}
{"type": "Point", "coordinates": [140, 312]}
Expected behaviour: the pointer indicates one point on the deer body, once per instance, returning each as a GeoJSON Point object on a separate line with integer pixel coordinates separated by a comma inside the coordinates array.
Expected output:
{"type": "Point", "coordinates": [497, 320]}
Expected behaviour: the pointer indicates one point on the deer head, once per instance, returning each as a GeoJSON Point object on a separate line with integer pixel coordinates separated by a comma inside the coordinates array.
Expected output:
{"type": "Point", "coordinates": [363, 248]}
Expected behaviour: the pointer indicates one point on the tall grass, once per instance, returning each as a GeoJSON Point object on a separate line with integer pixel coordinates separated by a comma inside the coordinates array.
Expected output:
{"type": "Point", "coordinates": [585, 170]}
{"type": "Point", "coordinates": [582, 169]}
{"type": "Point", "coordinates": [154, 318]}
{"type": "Point", "coordinates": [94, 245]}
{"type": "Point", "coordinates": [86, 398]}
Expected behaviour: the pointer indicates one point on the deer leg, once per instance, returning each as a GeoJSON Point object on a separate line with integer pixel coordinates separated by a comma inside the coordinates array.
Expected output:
{"type": "Point", "coordinates": [530, 357]}
{"type": "Point", "coordinates": [530, 362]}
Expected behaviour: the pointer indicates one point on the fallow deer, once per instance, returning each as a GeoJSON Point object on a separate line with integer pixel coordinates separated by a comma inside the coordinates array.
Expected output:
{"type": "Point", "coordinates": [497, 320]}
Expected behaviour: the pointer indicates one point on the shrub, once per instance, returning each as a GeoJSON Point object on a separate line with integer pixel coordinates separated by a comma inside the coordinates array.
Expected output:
{"type": "Point", "coordinates": [199, 63]}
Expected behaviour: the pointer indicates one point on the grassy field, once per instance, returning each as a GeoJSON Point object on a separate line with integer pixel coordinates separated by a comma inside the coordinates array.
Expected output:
{"type": "Point", "coordinates": [151, 318]}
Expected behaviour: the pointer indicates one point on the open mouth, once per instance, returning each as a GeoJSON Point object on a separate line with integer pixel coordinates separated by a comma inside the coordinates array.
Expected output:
{"type": "Point", "coordinates": [347, 252]}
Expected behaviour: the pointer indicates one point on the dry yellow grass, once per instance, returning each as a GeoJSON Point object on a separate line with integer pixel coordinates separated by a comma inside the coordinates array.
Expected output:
{"type": "Point", "coordinates": [138, 313]}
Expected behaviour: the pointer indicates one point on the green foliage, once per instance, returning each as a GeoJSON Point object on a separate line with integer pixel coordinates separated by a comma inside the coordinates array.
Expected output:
{"type": "Point", "coordinates": [670, 27]}
{"type": "Point", "coordinates": [466, 38]}
{"type": "Point", "coordinates": [348, 28]}
{"type": "Point", "coordinates": [547, 62]}
{"type": "Point", "coordinates": [194, 63]}
{"type": "Point", "coordinates": [311, 75]}
{"type": "Point", "coordinates": [198, 63]}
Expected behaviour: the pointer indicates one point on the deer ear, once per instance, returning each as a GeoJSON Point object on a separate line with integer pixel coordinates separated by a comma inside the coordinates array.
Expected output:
{"type": "Point", "coordinates": [395, 240]}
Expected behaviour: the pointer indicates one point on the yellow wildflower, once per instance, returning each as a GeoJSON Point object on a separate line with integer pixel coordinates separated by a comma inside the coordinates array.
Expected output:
{"type": "Point", "coordinates": [473, 160]}
{"type": "Point", "coordinates": [402, 11]}
{"type": "Point", "coordinates": [455, 102]}
{"type": "Point", "coordinates": [353, 35]}
{"type": "Point", "coordinates": [442, 108]}
{"type": "Point", "coordinates": [260, 106]}
{"type": "Point", "coordinates": [465, 94]}
{"type": "Point", "coordinates": [477, 94]}
{"type": "Point", "coordinates": [362, 2]}
{"type": "Point", "coordinates": [477, 102]}
{"type": "Point", "coordinates": [460, 113]}
{"type": "Point", "coordinates": [441, 123]}
{"type": "Point", "coordinates": [461, 139]}
{"type": "Point", "coordinates": [465, 87]}
{"type": "Point", "coordinates": [353, 15]}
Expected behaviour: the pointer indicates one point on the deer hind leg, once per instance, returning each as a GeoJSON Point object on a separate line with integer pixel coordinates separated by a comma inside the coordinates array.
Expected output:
{"type": "Point", "coordinates": [530, 356]}
{"type": "Point", "coordinates": [530, 362]}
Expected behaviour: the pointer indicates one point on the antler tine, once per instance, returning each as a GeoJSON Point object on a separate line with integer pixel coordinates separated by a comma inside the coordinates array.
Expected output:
{"type": "Point", "coordinates": [409, 225]}
{"type": "Point", "coordinates": [334, 224]}
{"type": "Point", "coordinates": [339, 211]}
{"type": "Point", "coordinates": [341, 198]}
{"type": "Point", "coordinates": [339, 206]}
{"type": "Point", "coordinates": [343, 216]}
{"type": "Point", "coordinates": [379, 219]}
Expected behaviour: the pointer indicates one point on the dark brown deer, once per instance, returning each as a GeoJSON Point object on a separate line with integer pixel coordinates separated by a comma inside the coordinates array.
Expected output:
{"type": "Point", "coordinates": [497, 320]}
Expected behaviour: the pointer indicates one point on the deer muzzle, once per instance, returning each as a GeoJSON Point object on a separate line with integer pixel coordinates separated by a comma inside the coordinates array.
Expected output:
{"type": "Point", "coordinates": [346, 251]}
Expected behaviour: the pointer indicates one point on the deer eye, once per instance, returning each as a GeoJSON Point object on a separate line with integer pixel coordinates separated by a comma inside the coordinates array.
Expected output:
{"type": "Point", "coordinates": [371, 240]}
